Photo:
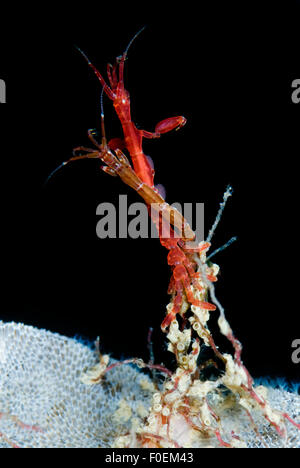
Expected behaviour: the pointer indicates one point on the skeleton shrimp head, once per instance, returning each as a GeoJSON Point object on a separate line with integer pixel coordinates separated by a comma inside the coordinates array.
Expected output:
{"type": "Point", "coordinates": [182, 280]}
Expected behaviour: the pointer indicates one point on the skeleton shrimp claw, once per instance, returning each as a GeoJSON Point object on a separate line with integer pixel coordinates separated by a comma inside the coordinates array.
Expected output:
{"type": "Point", "coordinates": [169, 124]}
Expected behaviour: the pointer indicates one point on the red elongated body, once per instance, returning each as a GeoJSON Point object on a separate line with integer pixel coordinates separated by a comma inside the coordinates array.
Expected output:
{"type": "Point", "coordinates": [141, 179]}
{"type": "Point", "coordinates": [133, 137]}
{"type": "Point", "coordinates": [133, 141]}
{"type": "Point", "coordinates": [189, 287]}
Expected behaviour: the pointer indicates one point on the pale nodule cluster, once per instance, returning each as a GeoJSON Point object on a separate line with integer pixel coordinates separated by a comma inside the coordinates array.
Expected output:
{"type": "Point", "coordinates": [58, 392]}
{"type": "Point", "coordinates": [44, 403]}
{"type": "Point", "coordinates": [225, 412]}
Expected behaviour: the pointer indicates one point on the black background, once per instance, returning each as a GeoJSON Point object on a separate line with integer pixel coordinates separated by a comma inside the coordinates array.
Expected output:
{"type": "Point", "coordinates": [228, 69]}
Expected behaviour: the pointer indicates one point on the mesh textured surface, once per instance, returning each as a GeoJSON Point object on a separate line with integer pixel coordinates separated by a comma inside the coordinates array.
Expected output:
{"type": "Point", "coordinates": [40, 386]}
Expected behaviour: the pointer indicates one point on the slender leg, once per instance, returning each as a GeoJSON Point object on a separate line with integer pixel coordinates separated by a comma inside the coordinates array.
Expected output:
{"type": "Point", "coordinates": [82, 148]}
{"type": "Point", "coordinates": [94, 155]}
{"type": "Point", "coordinates": [106, 88]}
{"type": "Point", "coordinates": [149, 135]}
{"type": "Point", "coordinates": [114, 75]}
{"type": "Point", "coordinates": [108, 68]}
{"type": "Point", "coordinates": [93, 140]}
{"type": "Point", "coordinates": [190, 297]}
{"type": "Point", "coordinates": [165, 126]}
{"type": "Point", "coordinates": [121, 61]}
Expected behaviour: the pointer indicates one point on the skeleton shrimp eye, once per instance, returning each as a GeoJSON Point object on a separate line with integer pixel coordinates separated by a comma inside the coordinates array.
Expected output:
{"type": "Point", "coordinates": [126, 96]}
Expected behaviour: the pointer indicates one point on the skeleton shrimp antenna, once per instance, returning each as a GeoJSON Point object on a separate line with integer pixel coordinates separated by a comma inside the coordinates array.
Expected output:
{"type": "Point", "coordinates": [226, 195]}
{"type": "Point", "coordinates": [104, 143]}
{"type": "Point", "coordinates": [132, 40]}
{"type": "Point", "coordinates": [223, 247]}
{"type": "Point", "coordinates": [54, 172]}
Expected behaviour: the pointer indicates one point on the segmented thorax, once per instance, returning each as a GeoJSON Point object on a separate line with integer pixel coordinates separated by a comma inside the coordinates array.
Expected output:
{"type": "Point", "coordinates": [122, 105]}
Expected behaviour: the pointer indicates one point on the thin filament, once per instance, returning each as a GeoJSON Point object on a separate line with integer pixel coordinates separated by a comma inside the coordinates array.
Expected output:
{"type": "Point", "coordinates": [226, 195]}
{"type": "Point", "coordinates": [223, 247]}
